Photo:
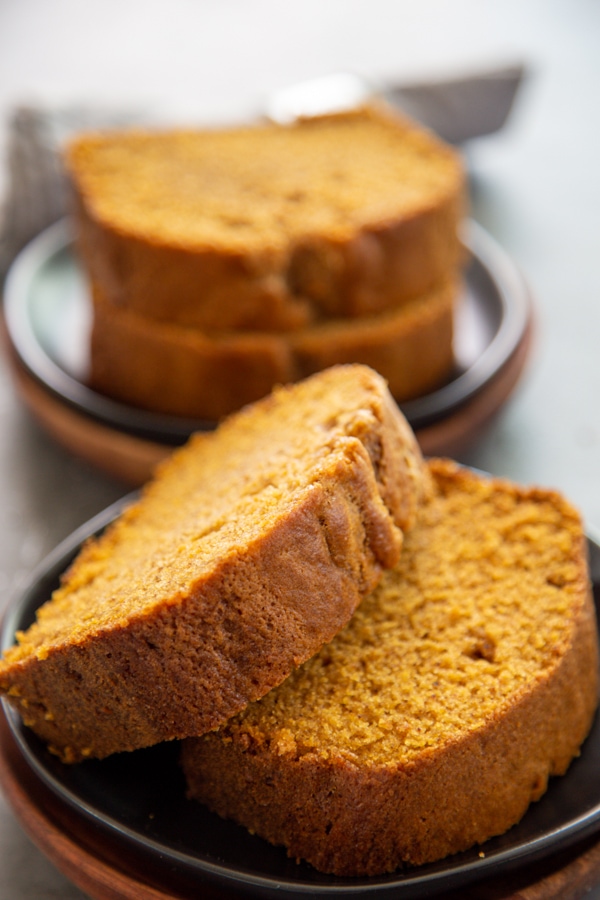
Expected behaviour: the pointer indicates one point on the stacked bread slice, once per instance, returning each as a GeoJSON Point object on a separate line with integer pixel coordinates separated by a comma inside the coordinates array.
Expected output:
{"type": "Point", "coordinates": [371, 660]}
{"type": "Point", "coordinates": [223, 262]}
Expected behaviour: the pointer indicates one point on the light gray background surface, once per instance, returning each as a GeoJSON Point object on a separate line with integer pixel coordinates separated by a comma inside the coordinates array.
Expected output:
{"type": "Point", "coordinates": [536, 188]}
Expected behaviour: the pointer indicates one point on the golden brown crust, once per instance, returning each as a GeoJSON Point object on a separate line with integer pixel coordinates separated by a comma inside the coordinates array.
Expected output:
{"type": "Point", "coordinates": [361, 811]}
{"type": "Point", "coordinates": [384, 234]}
{"type": "Point", "coordinates": [181, 371]}
{"type": "Point", "coordinates": [250, 549]}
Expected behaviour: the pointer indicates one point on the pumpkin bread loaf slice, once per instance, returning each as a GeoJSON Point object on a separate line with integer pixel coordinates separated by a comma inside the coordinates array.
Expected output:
{"type": "Point", "coordinates": [432, 721]}
{"type": "Point", "coordinates": [268, 227]}
{"type": "Point", "coordinates": [183, 371]}
{"type": "Point", "coordinates": [250, 549]}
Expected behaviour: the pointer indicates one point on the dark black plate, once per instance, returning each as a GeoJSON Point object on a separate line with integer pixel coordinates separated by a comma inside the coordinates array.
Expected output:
{"type": "Point", "coordinates": [48, 315]}
{"type": "Point", "coordinates": [136, 800]}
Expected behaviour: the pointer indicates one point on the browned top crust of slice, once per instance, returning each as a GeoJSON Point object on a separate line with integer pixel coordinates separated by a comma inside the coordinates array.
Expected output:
{"type": "Point", "coordinates": [268, 227]}
{"type": "Point", "coordinates": [434, 719]}
{"type": "Point", "coordinates": [248, 551]}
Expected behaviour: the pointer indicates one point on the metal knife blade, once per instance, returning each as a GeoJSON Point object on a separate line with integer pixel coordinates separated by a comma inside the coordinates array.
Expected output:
{"type": "Point", "coordinates": [458, 108]}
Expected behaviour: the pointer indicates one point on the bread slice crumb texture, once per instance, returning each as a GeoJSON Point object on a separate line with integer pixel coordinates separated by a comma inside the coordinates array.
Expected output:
{"type": "Point", "coordinates": [446, 637]}
{"type": "Point", "coordinates": [210, 500]}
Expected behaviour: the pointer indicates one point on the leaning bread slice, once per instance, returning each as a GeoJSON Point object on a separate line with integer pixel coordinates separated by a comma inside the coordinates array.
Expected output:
{"type": "Point", "coordinates": [436, 716]}
{"type": "Point", "coordinates": [249, 550]}
{"type": "Point", "coordinates": [183, 371]}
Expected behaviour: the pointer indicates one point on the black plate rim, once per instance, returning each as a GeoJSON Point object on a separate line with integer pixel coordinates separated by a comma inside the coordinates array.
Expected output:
{"type": "Point", "coordinates": [511, 288]}
{"type": "Point", "coordinates": [419, 882]}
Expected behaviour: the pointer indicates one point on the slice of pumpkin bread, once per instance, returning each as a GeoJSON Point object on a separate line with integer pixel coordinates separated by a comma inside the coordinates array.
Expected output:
{"type": "Point", "coordinates": [248, 551]}
{"type": "Point", "coordinates": [437, 715]}
{"type": "Point", "coordinates": [183, 371]}
{"type": "Point", "coordinates": [266, 227]}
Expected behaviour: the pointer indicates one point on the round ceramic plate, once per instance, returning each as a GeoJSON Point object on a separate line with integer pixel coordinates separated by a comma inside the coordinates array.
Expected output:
{"type": "Point", "coordinates": [137, 801]}
{"type": "Point", "coordinates": [48, 316]}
